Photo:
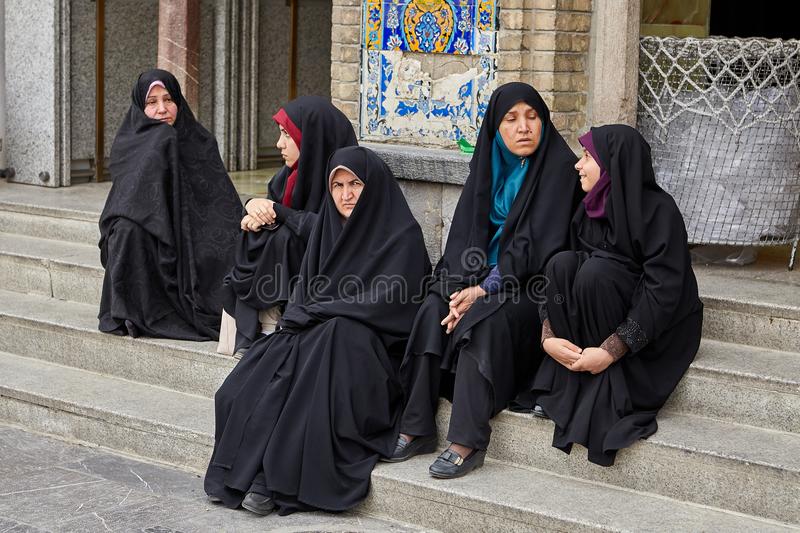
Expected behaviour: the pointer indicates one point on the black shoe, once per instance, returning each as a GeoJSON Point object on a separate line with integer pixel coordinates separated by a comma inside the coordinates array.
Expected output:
{"type": "Point", "coordinates": [405, 450]}
{"type": "Point", "coordinates": [538, 412]}
{"type": "Point", "coordinates": [450, 465]}
{"type": "Point", "coordinates": [258, 503]}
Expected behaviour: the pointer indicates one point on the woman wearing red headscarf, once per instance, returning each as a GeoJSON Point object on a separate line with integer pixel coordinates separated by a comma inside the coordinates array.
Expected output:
{"type": "Point", "coordinates": [274, 234]}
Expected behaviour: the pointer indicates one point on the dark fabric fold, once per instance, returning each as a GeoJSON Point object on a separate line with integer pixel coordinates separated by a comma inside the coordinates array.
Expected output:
{"type": "Point", "coordinates": [309, 409]}
{"type": "Point", "coordinates": [169, 224]}
{"type": "Point", "coordinates": [630, 273]}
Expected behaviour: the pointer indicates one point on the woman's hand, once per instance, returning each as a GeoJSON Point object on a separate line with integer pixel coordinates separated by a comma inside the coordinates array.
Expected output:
{"type": "Point", "coordinates": [250, 224]}
{"type": "Point", "coordinates": [593, 360]}
{"type": "Point", "coordinates": [262, 210]}
{"type": "Point", "coordinates": [563, 351]}
{"type": "Point", "coordinates": [460, 302]}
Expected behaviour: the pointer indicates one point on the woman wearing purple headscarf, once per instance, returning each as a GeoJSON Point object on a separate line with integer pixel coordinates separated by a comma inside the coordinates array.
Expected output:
{"type": "Point", "coordinates": [622, 319]}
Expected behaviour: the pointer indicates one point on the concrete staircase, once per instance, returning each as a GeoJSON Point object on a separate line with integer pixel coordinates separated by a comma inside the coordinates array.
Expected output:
{"type": "Point", "coordinates": [726, 456]}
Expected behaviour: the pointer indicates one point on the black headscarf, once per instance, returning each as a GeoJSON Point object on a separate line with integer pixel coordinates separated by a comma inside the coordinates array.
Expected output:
{"type": "Point", "coordinates": [170, 181]}
{"type": "Point", "coordinates": [370, 268]}
{"type": "Point", "coordinates": [647, 227]}
{"type": "Point", "coordinates": [324, 129]}
{"type": "Point", "coordinates": [537, 225]}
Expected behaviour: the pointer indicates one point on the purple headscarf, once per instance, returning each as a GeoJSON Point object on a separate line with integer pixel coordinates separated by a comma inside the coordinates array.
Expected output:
{"type": "Point", "coordinates": [595, 200]}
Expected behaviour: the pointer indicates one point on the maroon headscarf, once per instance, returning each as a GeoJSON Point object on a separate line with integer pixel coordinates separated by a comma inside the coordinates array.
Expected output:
{"type": "Point", "coordinates": [595, 200]}
{"type": "Point", "coordinates": [294, 132]}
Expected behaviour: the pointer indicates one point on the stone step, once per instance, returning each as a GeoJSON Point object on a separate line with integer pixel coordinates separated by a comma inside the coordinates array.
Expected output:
{"type": "Point", "coordinates": [742, 384]}
{"type": "Point", "coordinates": [61, 269]}
{"type": "Point", "coordinates": [750, 311]}
{"type": "Point", "coordinates": [737, 383]}
{"type": "Point", "coordinates": [66, 333]}
{"type": "Point", "coordinates": [176, 428]}
{"type": "Point", "coordinates": [77, 230]}
{"type": "Point", "coordinates": [690, 452]}
{"type": "Point", "coordinates": [52, 215]}
{"type": "Point", "coordinates": [705, 461]}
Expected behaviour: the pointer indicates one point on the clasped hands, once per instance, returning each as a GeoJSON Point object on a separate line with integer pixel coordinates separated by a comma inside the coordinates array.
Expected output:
{"type": "Point", "coordinates": [260, 212]}
{"type": "Point", "coordinates": [460, 302]}
{"type": "Point", "coordinates": [593, 360]}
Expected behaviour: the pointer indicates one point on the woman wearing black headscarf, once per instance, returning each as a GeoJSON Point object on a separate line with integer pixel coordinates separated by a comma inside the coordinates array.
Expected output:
{"type": "Point", "coordinates": [302, 419]}
{"type": "Point", "coordinates": [513, 215]}
{"type": "Point", "coordinates": [271, 245]}
{"type": "Point", "coordinates": [169, 224]}
{"type": "Point", "coordinates": [622, 316]}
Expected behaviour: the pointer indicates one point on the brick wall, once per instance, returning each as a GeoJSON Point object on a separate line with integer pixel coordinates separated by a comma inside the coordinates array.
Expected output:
{"type": "Point", "coordinates": [559, 42]}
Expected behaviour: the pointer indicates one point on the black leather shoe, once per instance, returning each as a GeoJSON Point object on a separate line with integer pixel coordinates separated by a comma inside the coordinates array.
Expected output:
{"type": "Point", "coordinates": [258, 503]}
{"type": "Point", "coordinates": [404, 450]}
{"type": "Point", "coordinates": [450, 465]}
{"type": "Point", "coordinates": [538, 412]}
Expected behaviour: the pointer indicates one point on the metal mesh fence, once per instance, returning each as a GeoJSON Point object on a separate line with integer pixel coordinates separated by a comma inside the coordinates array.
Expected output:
{"type": "Point", "coordinates": [722, 117]}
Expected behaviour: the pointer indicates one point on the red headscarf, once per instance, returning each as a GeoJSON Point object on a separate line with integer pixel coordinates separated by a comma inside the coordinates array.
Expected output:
{"type": "Point", "coordinates": [297, 136]}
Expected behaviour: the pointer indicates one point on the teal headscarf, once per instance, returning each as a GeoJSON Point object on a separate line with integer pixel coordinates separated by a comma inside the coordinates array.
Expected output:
{"type": "Point", "coordinates": [508, 173]}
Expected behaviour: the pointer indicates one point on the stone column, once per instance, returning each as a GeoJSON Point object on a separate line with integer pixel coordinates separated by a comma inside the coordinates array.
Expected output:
{"type": "Point", "coordinates": [37, 91]}
{"type": "Point", "coordinates": [236, 82]}
{"type": "Point", "coordinates": [2, 88]}
{"type": "Point", "coordinates": [179, 44]}
{"type": "Point", "coordinates": [614, 69]}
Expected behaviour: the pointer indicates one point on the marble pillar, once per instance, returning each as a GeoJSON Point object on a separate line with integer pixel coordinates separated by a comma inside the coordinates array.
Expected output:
{"type": "Point", "coordinates": [2, 89]}
{"type": "Point", "coordinates": [236, 82]}
{"type": "Point", "coordinates": [179, 44]}
{"type": "Point", "coordinates": [37, 91]}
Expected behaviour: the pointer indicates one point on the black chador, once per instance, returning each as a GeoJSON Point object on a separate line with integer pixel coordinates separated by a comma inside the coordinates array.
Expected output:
{"type": "Point", "coordinates": [308, 410]}
{"type": "Point", "coordinates": [494, 349]}
{"type": "Point", "coordinates": [627, 287]}
{"type": "Point", "coordinates": [267, 261]}
{"type": "Point", "coordinates": [169, 224]}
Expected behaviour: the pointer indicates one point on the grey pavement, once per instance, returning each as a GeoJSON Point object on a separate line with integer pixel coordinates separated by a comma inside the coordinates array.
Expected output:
{"type": "Point", "coordinates": [51, 485]}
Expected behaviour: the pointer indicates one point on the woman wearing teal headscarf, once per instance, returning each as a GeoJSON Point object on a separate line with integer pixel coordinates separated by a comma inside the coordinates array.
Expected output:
{"type": "Point", "coordinates": [477, 331]}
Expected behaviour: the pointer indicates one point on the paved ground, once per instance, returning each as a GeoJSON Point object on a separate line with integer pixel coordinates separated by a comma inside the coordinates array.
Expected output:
{"type": "Point", "coordinates": [51, 485]}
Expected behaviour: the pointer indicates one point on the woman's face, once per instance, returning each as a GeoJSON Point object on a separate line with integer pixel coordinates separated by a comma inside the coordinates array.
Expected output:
{"type": "Point", "coordinates": [589, 171]}
{"type": "Point", "coordinates": [160, 106]}
{"type": "Point", "coordinates": [521, 129]}
{"type": "Point", "coordinates": [346, 189]}
{"type": "Point", "coordinates": [289, 150]}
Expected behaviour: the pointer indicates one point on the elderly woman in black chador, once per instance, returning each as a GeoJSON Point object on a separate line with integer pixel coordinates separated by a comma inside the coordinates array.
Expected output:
{"type": "Point", "coordinates": [170, 221]}
{"type": "Point", "coordinates": [271, 245]}
{"type": "Point", "coordinates": [304, 416]}
{"type": "Point", "coordinates": [622, 318]}
{"type": "Point", "coordinates": [478, 328]}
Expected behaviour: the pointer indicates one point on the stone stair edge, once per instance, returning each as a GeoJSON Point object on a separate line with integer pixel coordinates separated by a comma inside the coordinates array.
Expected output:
{"type": "Point", "coordinates": [49, 211]}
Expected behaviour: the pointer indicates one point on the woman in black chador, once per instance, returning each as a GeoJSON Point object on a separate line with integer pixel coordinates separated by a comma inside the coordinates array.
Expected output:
{"type": "Point", "coordinates": [622, 318]}
{"type": "Point", "coordinates": [478, 328]}
{"type": "Point", "coordinates": [169, 224]}
{"type": "Point", "coordinates": [302, 419]}
{"type": "Point", "coordinates": [271, 245]}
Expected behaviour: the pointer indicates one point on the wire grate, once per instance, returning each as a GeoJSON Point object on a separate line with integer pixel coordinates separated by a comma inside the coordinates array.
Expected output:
{"type": "Point", "coordinates": [722, 117]}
